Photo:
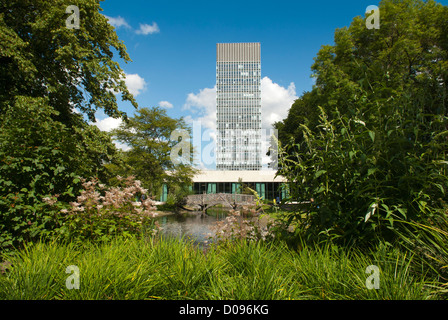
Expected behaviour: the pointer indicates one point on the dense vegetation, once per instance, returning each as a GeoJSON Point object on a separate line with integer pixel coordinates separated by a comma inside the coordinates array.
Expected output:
{"type": "Point", "coordinates": [148, 134]}
{"type": "Point", "coordinates": [46, 71]}
{"type": "Point", "coordinates": [171, 269]}
{"type": "Point", "coordinates": [369, 142]}
{"type": "Point", "coordinates": [52, 81]}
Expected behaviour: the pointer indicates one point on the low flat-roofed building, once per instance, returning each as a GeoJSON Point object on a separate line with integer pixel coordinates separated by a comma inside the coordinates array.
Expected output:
{"type": "Point", "coordinates": [264, 182]}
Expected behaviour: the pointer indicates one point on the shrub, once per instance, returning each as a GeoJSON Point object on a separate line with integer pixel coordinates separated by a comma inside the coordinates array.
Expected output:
{"type": "Point", "coordinates": [40, 156]}
{"type": "Point", "coordinates": [428, 241]}
{"type": "Point", "coordinates": [36, 159]}
{"type": "Point", "coordinates": [370, 140]}
{"type": "Point", "coordinates": [101, 213]}
{"type": "Point", "coordinates": [236, 227]}
{"type": "Point", "coordinates": [363, 172]}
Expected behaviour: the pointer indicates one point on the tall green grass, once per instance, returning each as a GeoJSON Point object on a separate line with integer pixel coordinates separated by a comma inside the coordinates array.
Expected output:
{"type": "Point", "coordinates": [429, 242]}
{"type": "Point", "coordinates": [174, 269]}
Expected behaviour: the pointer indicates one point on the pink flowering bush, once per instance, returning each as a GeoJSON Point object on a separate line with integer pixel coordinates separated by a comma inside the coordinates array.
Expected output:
{"type": "Point", "coordinates": [101, 213]}
{"type": "Point", "coordinates": [236, 227]}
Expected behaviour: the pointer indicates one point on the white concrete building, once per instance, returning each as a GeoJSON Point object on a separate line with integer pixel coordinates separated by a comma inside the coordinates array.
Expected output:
{"type": "Point", "coordinates": [264, 182]}
{"type": "Point", "coordinates": [238, 106]}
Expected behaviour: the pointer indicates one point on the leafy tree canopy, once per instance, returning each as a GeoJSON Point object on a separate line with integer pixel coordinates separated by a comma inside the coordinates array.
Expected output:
{"type": "Point", "coordinates": [148, 134]}
{"type": "Point", "coordinates": [369, 141]}
{"type": "Point", "coordinates": [46, 71]}
{"type": "Point", "coordinates": [74, 68]}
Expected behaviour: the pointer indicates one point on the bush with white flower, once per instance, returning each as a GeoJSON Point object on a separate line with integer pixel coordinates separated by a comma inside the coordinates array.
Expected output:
{"type": "Point", "coordinates": [101, 213]}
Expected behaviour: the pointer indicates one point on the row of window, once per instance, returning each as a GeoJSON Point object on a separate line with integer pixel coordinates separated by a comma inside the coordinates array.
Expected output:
{"type": "Point", "coordinates": [237, 142]}
{"type": "Point", "coordinates": [238, 81]}
{"type": "Point", "coordinates": [239, 95]}
{"type": "Point", "coordinates": [238, 165]}
{"type": "Point", "coordinates": [238, 104]}
{"type": "Point", "coordinates": [251, 89]}
{"type": "Point", "coordinates": [241, 116]}
{"type": "Point", "coordinates": [230, 139]}
{"type": "Point", "coordinates": [239, 162]}
{"type": "Point", "coordinates": [238, 107]}
{"type": "Point", "coordinates": [237, 65]}
{"type": "Point", "coordinates": [231, 135]}
{"type": "Point", "coordinates": [239, 125]}
{"type": "Point", "coordinates": [249, 125]}
{"type": "Point", "coordinates": [229, 152]}
{"type": "Point", "coordinates": [237, 74]}
{"type": "Point", "coordinates": [238, 114]}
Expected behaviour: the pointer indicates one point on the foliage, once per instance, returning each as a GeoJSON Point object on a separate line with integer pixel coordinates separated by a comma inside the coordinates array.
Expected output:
{"type": "Point", "coordinates": [428, 242]}
{"type": "Point", "coordinates": [160, 268]}
{"type": "Point", "coordinates": [148, 134]}
{"type": "Point", "coordinates": [38, 157]}
{"type": "Point", "coordinates": [177, 196]}
{"type": "Point", "coordinates": [369, 142]}
{"type": "Point", "coordinates": [41, 57]}
{"type": "Point", "coordinates": [237, 228]}
{"type": "Point", "coordinates": [46, 71]}
{"type": "Point", "coordinates": [101, 214]}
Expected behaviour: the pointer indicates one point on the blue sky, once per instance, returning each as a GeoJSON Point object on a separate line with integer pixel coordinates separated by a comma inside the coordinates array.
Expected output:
{"type": "Point", "coordinates": [179, 59]}
{"type": "Point", "coordinates": [173, 48]}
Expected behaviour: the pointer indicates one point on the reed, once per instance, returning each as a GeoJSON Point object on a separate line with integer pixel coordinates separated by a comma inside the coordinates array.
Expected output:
{"type": "Point", "coordinates": [164, 268]}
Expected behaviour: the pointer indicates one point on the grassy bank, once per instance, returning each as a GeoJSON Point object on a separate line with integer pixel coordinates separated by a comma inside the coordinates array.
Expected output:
{"type": "Point", "coordinates": [170, 269]}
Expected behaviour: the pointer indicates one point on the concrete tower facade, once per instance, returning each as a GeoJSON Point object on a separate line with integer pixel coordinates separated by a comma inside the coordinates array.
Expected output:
{"type": "Point", "coordinates": [238, 83]}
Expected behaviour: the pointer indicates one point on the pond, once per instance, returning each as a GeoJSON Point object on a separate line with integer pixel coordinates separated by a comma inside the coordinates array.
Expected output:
{"type": "Point", "coordinates": [193, 225]}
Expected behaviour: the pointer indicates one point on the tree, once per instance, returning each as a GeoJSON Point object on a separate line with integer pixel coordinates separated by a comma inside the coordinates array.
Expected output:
{"type": "Point", "coordinates": [41, 57]}
{"type": "Point", "coordinates": [370, 139]}
{"type": "Point", "coordinates": [46, 71]}
{"type": "Point", "coordinates": [148, 134]}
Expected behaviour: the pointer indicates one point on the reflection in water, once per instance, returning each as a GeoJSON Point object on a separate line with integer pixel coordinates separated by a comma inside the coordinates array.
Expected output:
{"type": "Point", "coordinates": [192, 225]}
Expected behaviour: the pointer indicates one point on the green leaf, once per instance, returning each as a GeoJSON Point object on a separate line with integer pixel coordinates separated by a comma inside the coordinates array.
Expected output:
{"type": "Point", "coordinates": [438, 185]}
{"type": "Point", "coordinates": [372, 135]}
{"type": "Point", "coordinates": [351, 154]}
{"type": "Point", "coordinates": [403, 212]}
{"type": "Point", "coordinates": [319, 173]}
{"type": "Point", "coordinates": [371, 211]}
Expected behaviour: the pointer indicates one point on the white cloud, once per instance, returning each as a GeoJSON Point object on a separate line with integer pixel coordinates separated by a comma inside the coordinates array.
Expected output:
{"type": "Point", "coordinates": [166, 104]}
{"type": "Point", "coordinates": [275, 101]}
{"type": "Point", "coordinates": [107, 124]}
{"type": "Point", "coordinates": [148, 28]}
{"type": "Point", "coordinates": [203, 122]}
{"type": "Point", "coordinates": [204, 105]}
{"type": "Point", "coordinates": [135, 83]}
{"type": "Point", "coordinates": [122, 146]}
{"type": "Point", "coordinates": [118, 22]}
{"type": "Point", "coordinates": [144, 29]}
